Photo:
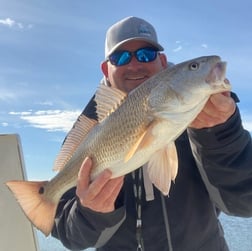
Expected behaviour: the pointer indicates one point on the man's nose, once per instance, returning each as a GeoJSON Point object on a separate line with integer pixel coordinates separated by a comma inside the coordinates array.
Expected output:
{"type": "Point", "coordinates": [134, 63]}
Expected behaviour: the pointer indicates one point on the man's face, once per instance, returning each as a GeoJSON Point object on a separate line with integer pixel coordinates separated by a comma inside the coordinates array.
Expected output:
{"type": "Point", "coordinates": [129, 76]}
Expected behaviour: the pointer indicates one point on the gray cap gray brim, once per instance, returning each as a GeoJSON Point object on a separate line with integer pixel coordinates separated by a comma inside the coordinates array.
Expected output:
{"type": "Point", "coordinates": [128, 29]}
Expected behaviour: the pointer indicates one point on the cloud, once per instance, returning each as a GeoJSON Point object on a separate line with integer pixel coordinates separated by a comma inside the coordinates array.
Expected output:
{"type": "Point", "coordinates": [204, 46]}
{"type": "Point", "coordinates": [45, 103]}
{"type": "Point", "coordinates": [179, 48]}
{"type": "Point", "coordinates": [50, 120]}
{"type": "Point", "coordinates": [188, 45]}
{"type": "Point", "coordinates": [6, 95]}
{"type": "Point", "coordinates": [247, 124]}
{"type": "Point", "coordinates": [4, 124]}
{"type": "Point", "coordinates": [14, 92]}
{"type": "Point", "coordinates": [21, 113]}
{"type": "Point", "coordinates": [8, 22]}
{"type": "Point", "coordinates": [246, 120]}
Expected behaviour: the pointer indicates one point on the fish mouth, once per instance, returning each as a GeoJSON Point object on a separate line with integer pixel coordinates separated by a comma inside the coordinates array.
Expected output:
{"type": "Point", "coordinates": [217, 76]}
{"type": "Point", "coordinates": [217, 73]}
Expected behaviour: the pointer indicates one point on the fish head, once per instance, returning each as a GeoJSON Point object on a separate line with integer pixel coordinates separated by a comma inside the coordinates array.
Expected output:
{"type": "Point", "coordinates": [189, 83]}
{"type": "Point", "coordinates": [203, 74]}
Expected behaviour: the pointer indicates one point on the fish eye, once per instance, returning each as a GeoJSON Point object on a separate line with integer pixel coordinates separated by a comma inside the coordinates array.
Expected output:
{"type": "Point", "coordinates": [194, 66]}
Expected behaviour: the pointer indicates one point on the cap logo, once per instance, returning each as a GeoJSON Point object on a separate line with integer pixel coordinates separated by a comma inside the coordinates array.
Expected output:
{"type": "Point", "coordinates": [144, 30]}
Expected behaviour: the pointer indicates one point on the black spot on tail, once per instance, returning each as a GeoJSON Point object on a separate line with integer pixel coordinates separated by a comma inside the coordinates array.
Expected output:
{"type": "Point", "coordinates": [41, 190]}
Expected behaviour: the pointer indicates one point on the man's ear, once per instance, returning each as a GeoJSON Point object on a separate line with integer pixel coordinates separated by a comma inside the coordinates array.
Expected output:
{"type": "Point", "coordinates": [104, 68]}
{"type": "Point", "coordinates": [163, 59]}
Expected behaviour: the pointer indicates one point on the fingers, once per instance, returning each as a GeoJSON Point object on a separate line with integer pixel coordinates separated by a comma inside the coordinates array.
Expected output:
{"type": "Point", "coordinates": [83, 175]}
{"type": "Point", "coordinates": [98, 185]}
{"type": "Point", "coordinates": [223, 103]}
{"type": "Point", "coordinates": [219, 108]}
{"type": "Point", "coordinates": [104, 200]}
{"type": "Point", "coordinates": [100, 194]}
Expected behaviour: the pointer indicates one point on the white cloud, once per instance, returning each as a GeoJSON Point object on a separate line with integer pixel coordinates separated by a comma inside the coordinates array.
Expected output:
{"type": "Point", "coordinates": [248, 126]}
{"type": "Point", "coordinates": [6, 95]}
{"type": "Point", "coordinates": [8, 22]}
{"type": "Point", "coordinates": [46, 103]}
{"type": "Point", "coordinates": [50, 120]}
{"type": "Point", "coordinates": [4, 124]}
{"type": "Point", "coordinates": [21, 113]}
{"type": "Point", "coordinates": [62, 120]}
{"type": "Point", "coordinates": [179, 48]}
{"type": "Point", "coordinates": [246, 120]}
{"type": "Point", "coordinates": [204, 46]}
{"type": "Point", "coordinates": [14, 92]}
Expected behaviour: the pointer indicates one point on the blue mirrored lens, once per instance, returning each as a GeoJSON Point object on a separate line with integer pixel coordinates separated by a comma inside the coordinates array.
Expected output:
{"type": "Point", "coordinates": [143, 55]}
{"type": "Point", "coordinates": [146, 55]}
{"type": "Point", "coordinates": [120, 58]}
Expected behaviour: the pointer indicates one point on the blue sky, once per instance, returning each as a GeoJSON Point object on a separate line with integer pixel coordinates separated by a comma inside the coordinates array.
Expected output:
{"type": "Point", "coordinates": [50, 55]}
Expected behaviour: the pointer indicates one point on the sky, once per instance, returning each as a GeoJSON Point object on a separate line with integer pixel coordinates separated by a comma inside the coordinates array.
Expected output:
{"type": "Point", "coordinates": [50, 55]}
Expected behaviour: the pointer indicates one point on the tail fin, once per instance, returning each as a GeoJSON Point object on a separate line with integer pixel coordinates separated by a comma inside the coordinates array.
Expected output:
{"type": "Point", "coordinates": [36, 206]}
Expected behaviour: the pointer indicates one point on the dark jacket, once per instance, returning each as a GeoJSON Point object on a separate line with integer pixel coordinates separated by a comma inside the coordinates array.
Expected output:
{"type": "Point", "coordinates": [215, 174]}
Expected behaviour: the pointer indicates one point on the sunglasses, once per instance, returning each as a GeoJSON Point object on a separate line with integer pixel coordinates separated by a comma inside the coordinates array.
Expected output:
{"type": "Point", "coordinates": [143, 55]}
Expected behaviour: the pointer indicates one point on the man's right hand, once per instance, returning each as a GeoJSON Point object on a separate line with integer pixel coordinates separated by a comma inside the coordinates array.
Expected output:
{"type": "Point", "coordinates": [100, 194]}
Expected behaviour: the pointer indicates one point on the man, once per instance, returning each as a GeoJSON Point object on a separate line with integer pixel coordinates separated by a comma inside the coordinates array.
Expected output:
{"type": "Point", "coordinates": [215, 172]}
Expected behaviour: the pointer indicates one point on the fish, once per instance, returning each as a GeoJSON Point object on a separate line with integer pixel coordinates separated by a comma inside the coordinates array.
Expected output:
{"type": "Point", "coordinates": [131, 130]}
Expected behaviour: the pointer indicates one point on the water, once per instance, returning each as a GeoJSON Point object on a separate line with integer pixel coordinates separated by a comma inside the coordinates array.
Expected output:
{"type": "Point", "coordinates": [238, 232]}
{"type": "Point", "coordinates": [52, 244]}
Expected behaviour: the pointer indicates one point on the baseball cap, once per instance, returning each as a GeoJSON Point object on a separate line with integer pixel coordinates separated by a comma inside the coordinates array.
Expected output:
{"type": "Point", "coordinates": [128, 29]}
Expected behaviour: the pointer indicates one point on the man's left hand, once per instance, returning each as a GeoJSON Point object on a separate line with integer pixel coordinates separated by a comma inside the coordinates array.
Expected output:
{"type": "Point", "coordinates": [218, 109]}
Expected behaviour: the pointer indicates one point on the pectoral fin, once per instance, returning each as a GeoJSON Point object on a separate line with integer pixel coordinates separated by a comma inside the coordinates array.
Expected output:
{"type": "Point", "coordinates": [163, 167]}
{"type": "Point", "coordinates": [144, 141]}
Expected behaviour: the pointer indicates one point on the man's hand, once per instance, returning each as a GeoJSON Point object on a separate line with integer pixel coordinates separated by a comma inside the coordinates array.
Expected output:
{"type": "Point", "coordinates": [101, 193]}
{"type": "Point", "coordinates": [218, 109]}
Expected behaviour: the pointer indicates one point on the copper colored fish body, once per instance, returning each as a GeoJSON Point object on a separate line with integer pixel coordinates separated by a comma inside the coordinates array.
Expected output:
{"type": "Point", "coordinates": [132, 130]}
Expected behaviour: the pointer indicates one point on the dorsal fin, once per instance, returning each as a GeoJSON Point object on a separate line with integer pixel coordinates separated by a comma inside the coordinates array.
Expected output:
{"type": "Point", "coordinates": [73, 139]}
{"type": "Point", "coordinates": [108, 99]}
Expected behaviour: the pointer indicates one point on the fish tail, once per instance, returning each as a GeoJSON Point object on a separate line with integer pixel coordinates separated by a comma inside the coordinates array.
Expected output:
{"type": "Point", "coordinates": [39, 209]}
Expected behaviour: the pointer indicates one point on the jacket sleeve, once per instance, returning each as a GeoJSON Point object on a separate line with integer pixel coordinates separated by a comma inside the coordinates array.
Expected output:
{"type": "Point", "coordinates": [79, 228]}
{"type": "Point", "coordinates": [224, 157]}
